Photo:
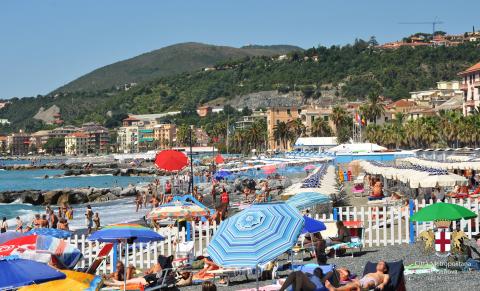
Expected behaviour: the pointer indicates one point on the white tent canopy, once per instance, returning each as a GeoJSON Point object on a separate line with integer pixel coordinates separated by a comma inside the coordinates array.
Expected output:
{"type": "Point", "coordinates": [414, 178]}
{"type": "Point", "coordinates": [458, 165]}
{"type": "Point", "coordinates": [357, 148]}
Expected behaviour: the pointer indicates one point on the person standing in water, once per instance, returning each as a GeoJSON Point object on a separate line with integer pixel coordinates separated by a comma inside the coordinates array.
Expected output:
{"type": "Point", "coordinates": [96, 220]}
{"type": "Point", "coordinates": [19, 227]}
{"type": "Point", "coordinates": [89, 218]}
{"type": "Point", "coordinates": [4, 225]}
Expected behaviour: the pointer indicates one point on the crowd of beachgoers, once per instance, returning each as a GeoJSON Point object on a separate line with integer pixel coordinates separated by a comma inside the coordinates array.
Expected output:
{"type": "Point", "coordinates": [315, 261]}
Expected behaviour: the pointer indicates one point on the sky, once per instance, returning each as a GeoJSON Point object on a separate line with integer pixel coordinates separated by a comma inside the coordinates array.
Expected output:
{"type": "Point", "coordinates": [47, 43]}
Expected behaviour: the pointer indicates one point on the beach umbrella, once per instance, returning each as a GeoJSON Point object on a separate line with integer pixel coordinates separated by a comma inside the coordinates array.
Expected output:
{"type": "Point", "coordinates": [74, 281]}
{"type": "Point", "coordinates": [170, 160]}
{"type": "Point", "coordinates": [126, 233]}
{"type": "Point", "coordinates": [449, 180]}
{"type": "Point", "coordinates": [222, 174]}
{"type": "Point", "coordinates": [9, 235]}
{"type": "Point", "coordinates": [304, 200]}
{"type": "Point", "coordinates": [312, 225]}
{"type": "Point", "coordinates": [16, 272]}
{"type": "Point", "coordinates": [58, 233]}
{"type": "Point", "coordinates": [441, 211]}
{"type": "Point", "coordinates": [256, 235]}
{"type": "Point", "coordinates": [219, 159]}
{"type": "Point", "coordinates": [42, 248]}
{"type": "Point", "coordinates": [269, 169]}
{"type": "Point", "coordinates": [309, 167]}
{"type": "Point", "coordinates": [177, 209]}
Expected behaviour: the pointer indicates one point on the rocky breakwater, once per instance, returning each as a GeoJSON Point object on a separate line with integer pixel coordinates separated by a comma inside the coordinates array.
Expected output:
{"type": "Point", "coordinates": [58, 166]}
{"type": "Point", "coordinates": [67, 195]}
{"type": "Point", "coordinates": [113, 172]}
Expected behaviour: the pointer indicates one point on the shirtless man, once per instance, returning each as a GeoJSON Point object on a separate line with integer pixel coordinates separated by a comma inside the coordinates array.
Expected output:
{"type": "Point", "coordinates": [377, 280]}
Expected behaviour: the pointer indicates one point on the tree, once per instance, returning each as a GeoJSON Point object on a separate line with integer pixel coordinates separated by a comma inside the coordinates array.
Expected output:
{"type": "Point", "coordinates": [374, 108]}
{"type": "Point", "coordinates": [296, 128]}
{"type": "Point", "coordinates": [183, 136]}
{"type": "Point", "coordinates": [55, 145]}
{"type": "Point", "coordinates": [338, 115]}
{"type": "Point", "coordinates": [320, 127]}
{"type": "Point", "coordinates": [281, 133]}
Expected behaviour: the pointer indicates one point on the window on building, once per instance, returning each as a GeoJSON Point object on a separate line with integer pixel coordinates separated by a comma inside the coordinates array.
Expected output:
{"type": "Point", "coordinates": [386, 119]}
{"type": "Point", "coordinates": [312, 118]}
{"type": "Point", "coordinates": [299, 111]}
{"type": "Point", "coordinates": [278, 121]}
{"type": "Point", "coordinates": [325, 117]}
{"type": "Point", "coordinates": [288, 112]}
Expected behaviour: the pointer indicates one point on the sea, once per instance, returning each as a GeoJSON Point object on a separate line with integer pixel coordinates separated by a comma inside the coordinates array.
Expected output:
{"type": "Point", "coordinates": [116, 211]}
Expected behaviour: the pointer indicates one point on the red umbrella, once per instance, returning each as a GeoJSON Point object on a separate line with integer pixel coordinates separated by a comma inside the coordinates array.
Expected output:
{"type": "Point", "coordinates": [19, 244]}
{"type": "Point", "coordinates": [219, 159]}
{"type": "Point", "coordinates": [170, 160]}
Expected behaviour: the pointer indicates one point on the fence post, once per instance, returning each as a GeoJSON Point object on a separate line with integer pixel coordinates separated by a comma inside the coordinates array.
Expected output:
{"type": "Point", "coordinates": [411, 206]}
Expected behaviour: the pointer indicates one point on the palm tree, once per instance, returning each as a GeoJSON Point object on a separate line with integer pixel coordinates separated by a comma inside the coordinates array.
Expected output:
{"type": "Point", "coordinates": [375, 108]}
{"type": "Point", "coordinates": [338, 116]}
{"type": "Point", "coordinates": [281, 133]}
{"type": "Point", "coordinates": [320, 127]}
{"type": "Point", "coordinates": [296, 128]}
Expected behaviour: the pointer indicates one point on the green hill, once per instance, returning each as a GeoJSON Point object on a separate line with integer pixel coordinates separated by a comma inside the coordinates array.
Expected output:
{"type": "Point", "coordinates": [170, 60]}
{"type": "Point", "coordinates": [352, 71]}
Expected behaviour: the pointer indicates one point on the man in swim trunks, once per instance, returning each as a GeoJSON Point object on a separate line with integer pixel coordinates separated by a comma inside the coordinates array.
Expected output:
{"type": "Point", "coordinates": [377, 280]}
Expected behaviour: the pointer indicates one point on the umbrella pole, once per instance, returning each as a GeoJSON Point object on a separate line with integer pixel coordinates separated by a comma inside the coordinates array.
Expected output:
{"type": "Point", "coordinates": [256, 275]}
{"type": "Point", "coordinates": [125, 268]}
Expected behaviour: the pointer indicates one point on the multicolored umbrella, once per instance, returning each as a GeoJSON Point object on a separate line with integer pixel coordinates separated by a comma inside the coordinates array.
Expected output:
{"type": "Point", "coordinates": [58, 233]}
{"type": "Point", "coordinates": [170, 160]}
{"type": "Point", "coordinates": [304, 200]}
{"type": "Point", "coordinates": [255, 236]}
{"type": "Point", "coordinates": [17, 272]}
{"type": "Point", "coordinates": [75, 281]}
{"type": "Point", "coordinates": [41, 248]}
{"type": "Point", "coordinates": [9, 235]}
{"type": "Point", "coordinates": [177, 209]}
{"type": "Point", "coordinates": [443, 212]}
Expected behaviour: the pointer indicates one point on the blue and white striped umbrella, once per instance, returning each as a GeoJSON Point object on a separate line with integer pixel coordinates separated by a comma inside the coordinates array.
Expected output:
{"type": "Point", "coordinates": [306, 200]}
{"type": "Point", "coordinates": [255, 236]}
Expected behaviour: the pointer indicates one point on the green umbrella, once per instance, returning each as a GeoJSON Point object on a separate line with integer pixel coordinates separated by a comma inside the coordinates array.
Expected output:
{"type": "Point", "coordinates": [443, 212]}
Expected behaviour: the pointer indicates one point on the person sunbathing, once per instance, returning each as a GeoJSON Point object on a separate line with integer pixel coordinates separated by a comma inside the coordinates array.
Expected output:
{"type": "Point", "coordinates": [302, 281]}
{"type": "Point", "coordinates": [377, 280]}
{"type": "Point", "coordinates": [208, 266]}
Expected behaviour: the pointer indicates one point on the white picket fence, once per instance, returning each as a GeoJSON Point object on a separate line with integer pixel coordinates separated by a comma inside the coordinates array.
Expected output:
{"type": "Point", "coordinates": [383, 226]}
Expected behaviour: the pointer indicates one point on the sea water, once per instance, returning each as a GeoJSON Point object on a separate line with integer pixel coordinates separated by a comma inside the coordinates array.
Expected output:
{"type": "Point", "coordinates": [114, 211]}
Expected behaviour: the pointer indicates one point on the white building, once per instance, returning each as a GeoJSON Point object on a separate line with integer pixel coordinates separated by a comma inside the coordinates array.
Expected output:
{"type": "Point", "coordinates": [470, 87]}
{"type": "Point", "coordinates": [77, 143]}
{"type": "Point", "coordinates": [319, 144]}
{"type": "Point", "coordinates": [127, 139]}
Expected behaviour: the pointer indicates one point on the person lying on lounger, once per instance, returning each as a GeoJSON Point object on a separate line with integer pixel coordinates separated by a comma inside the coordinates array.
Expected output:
{"type": "Point", "coordinates": [304, 281]}
{"type": "Point", "coordinates": [377, 280]}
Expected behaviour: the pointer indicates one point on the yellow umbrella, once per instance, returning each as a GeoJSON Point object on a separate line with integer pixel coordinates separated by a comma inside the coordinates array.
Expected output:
{"type": "Point", "coordinates": [75, 281]}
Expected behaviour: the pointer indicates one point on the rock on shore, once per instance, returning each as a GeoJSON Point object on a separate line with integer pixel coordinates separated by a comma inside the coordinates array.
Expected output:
{"type": "Point", "coordinates": [67, 195]}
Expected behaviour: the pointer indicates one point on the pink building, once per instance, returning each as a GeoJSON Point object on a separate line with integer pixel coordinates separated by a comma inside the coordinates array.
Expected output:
{"type": "Point", "coordinates": [471, 89]}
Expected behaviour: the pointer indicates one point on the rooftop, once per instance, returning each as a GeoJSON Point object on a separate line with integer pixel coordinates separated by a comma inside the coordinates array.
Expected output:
{"type": "Point", "coordinates": [474, 68]}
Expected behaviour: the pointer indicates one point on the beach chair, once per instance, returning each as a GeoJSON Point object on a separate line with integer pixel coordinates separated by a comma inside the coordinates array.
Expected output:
{"type": "Point", "coordinates": [185, 251]}
{"type": "Point", "coordinates": [101, 256]}
{"type": "Point", "coordinates": [395, 271]}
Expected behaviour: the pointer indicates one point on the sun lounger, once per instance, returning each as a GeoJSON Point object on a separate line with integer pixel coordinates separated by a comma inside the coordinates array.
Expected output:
{"type": "Point", "coordinates": [185, 250]}
{"type": "Point", "coordinates": [101, 256]}
{"type": "Point", "coordinates": [395, 271]}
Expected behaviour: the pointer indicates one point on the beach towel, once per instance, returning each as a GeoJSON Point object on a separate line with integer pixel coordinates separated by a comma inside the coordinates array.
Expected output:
{"type": "Point", "coordinates": [68, 254]}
